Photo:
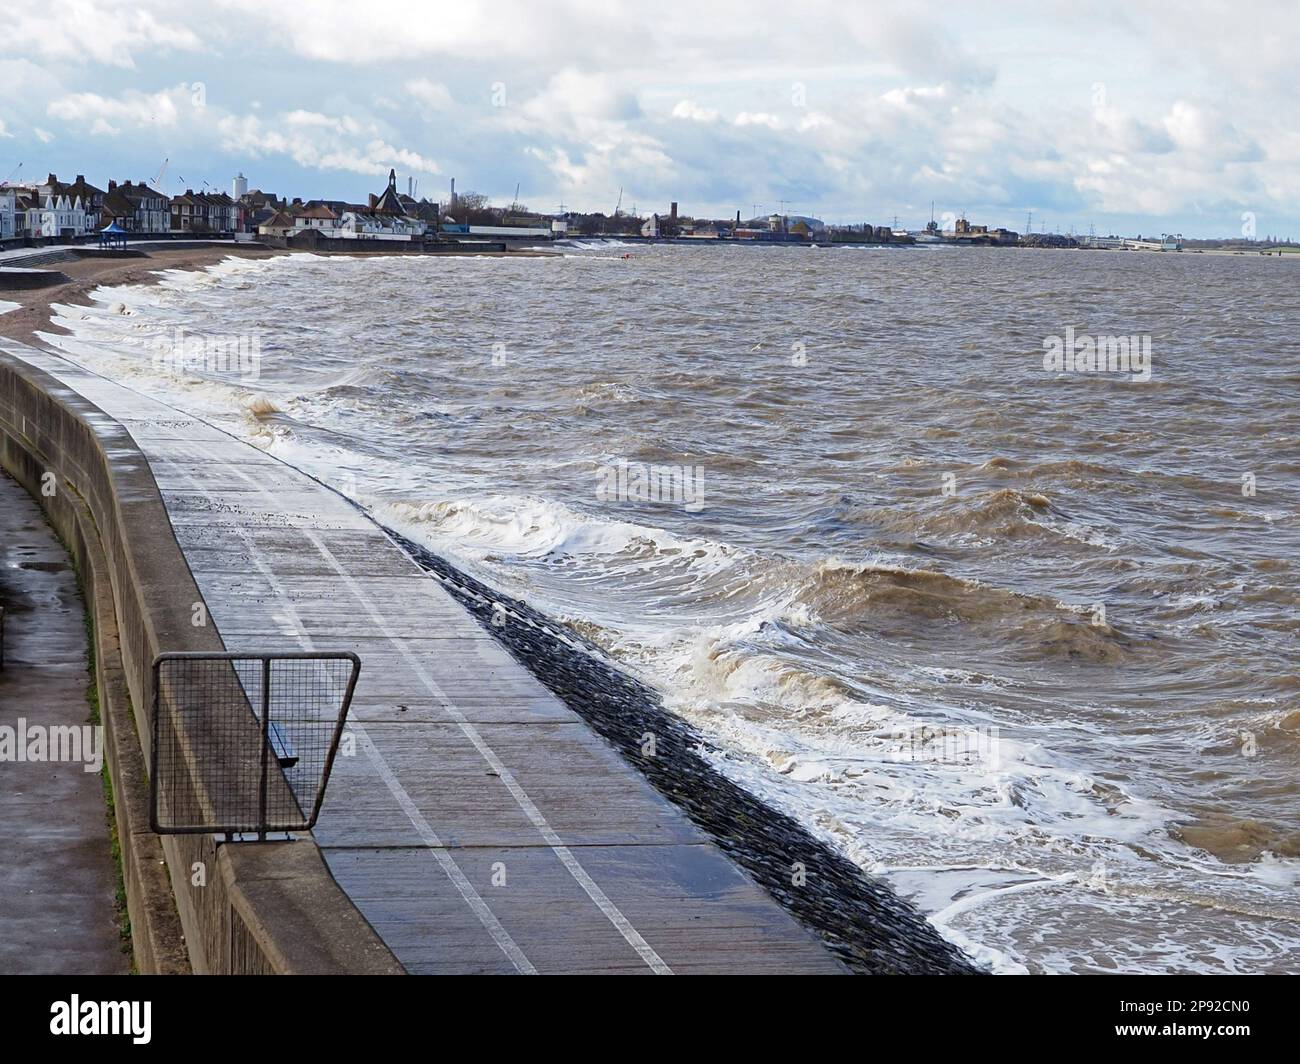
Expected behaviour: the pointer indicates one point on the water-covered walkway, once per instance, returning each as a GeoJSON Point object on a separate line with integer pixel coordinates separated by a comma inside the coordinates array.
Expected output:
{"type": "Point", "coordinates": [57, 889]}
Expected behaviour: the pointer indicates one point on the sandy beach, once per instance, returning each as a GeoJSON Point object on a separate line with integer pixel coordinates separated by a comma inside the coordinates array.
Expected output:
{"type": "Point", "coordinates": [88, 274]}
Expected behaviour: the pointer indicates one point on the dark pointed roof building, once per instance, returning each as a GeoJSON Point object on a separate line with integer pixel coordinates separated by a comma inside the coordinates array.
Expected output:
{"type": "Point", "coordinates": [390, 202]}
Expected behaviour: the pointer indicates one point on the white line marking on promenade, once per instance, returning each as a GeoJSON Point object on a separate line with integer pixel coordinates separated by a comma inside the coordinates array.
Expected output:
{"type": "Point", "coordinates": [472, 897]}
{"type": "Point", "coordinates": [553, 840]}
{"type": "Point", "coordinates": [423, 828]}
{"type": "Point", "coordinates": [602, 901]}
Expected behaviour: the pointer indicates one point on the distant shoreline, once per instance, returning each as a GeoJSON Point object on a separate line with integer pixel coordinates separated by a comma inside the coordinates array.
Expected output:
{"type": "Point", "coordinates": [35, 314]}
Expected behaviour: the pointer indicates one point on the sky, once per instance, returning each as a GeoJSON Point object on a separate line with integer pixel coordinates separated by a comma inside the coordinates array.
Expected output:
{"type": "Point", "coordinates": [1127, 117]}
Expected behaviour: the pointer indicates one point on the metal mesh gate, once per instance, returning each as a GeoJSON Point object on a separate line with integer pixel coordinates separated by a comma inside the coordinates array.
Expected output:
{"type": "Point", "coordinates": [244, 743]}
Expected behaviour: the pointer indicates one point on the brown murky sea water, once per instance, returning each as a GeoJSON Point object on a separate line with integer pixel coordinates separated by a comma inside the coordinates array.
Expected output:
{"type": "Point", "coordinates": [1023, 642]}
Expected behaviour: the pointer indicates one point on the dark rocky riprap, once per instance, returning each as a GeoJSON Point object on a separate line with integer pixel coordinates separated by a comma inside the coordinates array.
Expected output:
{"type": "Point", "coordinates": [865, 924]}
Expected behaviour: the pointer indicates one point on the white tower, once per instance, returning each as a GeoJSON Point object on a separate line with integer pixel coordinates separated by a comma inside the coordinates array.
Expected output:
{"type": "Point", "coordinates": [239, 187]}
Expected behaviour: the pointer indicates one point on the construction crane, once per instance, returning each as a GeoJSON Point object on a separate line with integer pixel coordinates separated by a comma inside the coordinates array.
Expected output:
{"type": "Point", "coordinates": [157, 178]}
{"type": "Point", "coordinates": [13, 173]}
{"type": "Point", "coordinates": [620, 201]}
{"type": "Point", "coordinates": [514, 203]}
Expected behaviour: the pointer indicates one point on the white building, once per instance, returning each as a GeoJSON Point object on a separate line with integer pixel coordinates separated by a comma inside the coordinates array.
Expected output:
{"type": "Point", "coordinates": [8, 214]}
{"type": "Point", "coordinates": [377, 226]}
{"type": "Point", "coordinates": [317, 217]}
{"type": "Point", "coordinates": [239, 187]}
{"type": "Point", "coordinates": [57, 216]}
{"type": "Point", "coordinates": [518, 232]}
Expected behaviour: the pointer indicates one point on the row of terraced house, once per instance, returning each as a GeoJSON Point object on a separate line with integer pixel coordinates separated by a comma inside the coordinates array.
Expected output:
{"type": "Point", "coordinates": [69, 209]}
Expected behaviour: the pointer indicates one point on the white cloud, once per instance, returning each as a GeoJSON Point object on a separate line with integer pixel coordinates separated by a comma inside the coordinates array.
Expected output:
{"type": "Point", "coordinates": [112, 32]}
{"type": "Point", "coordinates": [814, 120]}
{"type": "Point", "coordinates": [313, 139]}
{"type": "Point", "coordinates": [104, 114]}
{"type": "Point", "coordinates": [691, 110]}
{"type": "Point", "coordinates": [431, 95]}
{"type": "Point", "coordinates": [410, 29]}
{"type": "Point", "coordinates": [581, 102]}
{"type": "Point", "coordinates": [319, 142]}
{"type": "Point", "coordinates": [584, 128]}
{"type": "Point", "coordinates": [559, 163]}
{"type": "Point", "coordinates": [1207, 134]}
{"type": "Point", "coordinates": [923, 95]}
{"type": "Point", "coordinates": [757, 118]}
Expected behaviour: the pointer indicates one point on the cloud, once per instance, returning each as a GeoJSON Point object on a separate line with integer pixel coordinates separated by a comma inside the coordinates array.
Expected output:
{"type": "Point", "coordinates": [757, 118]}
{"type": "Point", "coordinates": [913, 43]}
{"type": "Point", "coordinates": [923, 95]}
{"type": "Point", "coordinates": [1207, 134]}
{"type": "Point", "coordinates": [1117, 130]}
{"type": "Point", "coordinates": [312, 139]}
{"type": "Point", "coordinates": [859, 113]}
{"type": "Point", "coordinates": [558, 162]}
{"type": "Point", "coordinates": [112, 32]}
{"type": "Point", "coordinates": [693, 111]}
{"type": "Point", "coordinates": [584, 129]}
{"type": "Point", "coordinates": [103, 114]}
{"type": "Point", "coordinates": [579, 102]}
{"type": "Point", "coordinates": [814, 120]}
{"type": "Point", "coordinates": [409, 29]}
{"type": "Point", "coordinates": [317, 141]}
{"type": "Point", "coordinates": [431, 95]}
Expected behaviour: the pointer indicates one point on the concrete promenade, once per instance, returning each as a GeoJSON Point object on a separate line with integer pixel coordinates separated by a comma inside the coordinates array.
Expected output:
{"type": "Point", "coordinates": [57, 890]}
{"type": "Point", "coordinates": [480, 826]}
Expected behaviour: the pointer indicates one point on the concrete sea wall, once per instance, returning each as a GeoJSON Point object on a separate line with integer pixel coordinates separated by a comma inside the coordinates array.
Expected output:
{"type": "Point", "coordinates": [249, 908]}
{"type": "Point", "coordinates": [18, 280]}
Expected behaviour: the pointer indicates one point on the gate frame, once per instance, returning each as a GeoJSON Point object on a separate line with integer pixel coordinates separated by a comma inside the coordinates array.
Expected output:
{"type": "Point", "coordinates": [266, 754]}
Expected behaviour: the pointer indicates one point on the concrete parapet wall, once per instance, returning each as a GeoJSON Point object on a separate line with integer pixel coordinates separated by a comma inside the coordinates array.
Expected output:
{"type": "Point", "coordinates": [262, 908]}
{"type": "Point", "coordinates": [17, 280]}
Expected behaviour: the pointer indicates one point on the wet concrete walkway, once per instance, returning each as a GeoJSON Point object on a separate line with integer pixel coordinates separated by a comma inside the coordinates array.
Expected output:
{"type": "Point", "coordinates": [482, 826]}
{"type": "Point", "coordinates": [57, 885]}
